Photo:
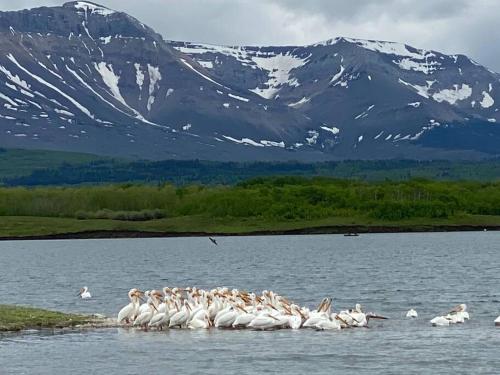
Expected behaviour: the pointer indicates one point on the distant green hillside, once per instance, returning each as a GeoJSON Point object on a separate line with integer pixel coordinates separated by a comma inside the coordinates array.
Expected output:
{"type": "Point", "coordinates": [38, 168]}
{"type": "Point", "coordinates": [16, 163]}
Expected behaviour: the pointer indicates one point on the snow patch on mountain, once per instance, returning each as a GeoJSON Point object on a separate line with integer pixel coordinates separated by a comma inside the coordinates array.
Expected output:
{"type": "Point", "coordinates": [111, 80]}
{"type": "Point", "coordinates": [431, 125]}
{"type": "Point", "coordinates": [451, 96]}
{"type": "Point", "coordinates": [273, 144]}
{"type": "Point", "coordinates": [15, 78]}
{"type": "Point", "coordinates": [487, 100]}
{"type": "Point", "coordinates": [240, 98]}
{"type": "Point", "coordinates": [8, 100]}
{"type": "Point", "coordinates": [425, 67]}
{"type": "Point", "coordinates": [338, 75]}
{"type": "Point", "coordinates": [246, 141]}
{"type": "Point", "coordinates": [421, 90]}
{"type": "Point", "coordinates": [105, 40]}
{"type": "Point", "coordinates": [454, 94]}
{"type": "Point", "coordinates": [52, 87]}
{"type": "Point", "coordinates": [299, 103]}
{"type": "Point", "coordinates": [139, 77]}
{"type": "Point", "coordinates": [93, 8]}
{"type": "Point", "coordinates": [313, 137]}
{"type": "Point", "coordinates": [154, 78]}
{"type": "Point", "coordinates": [390, 48]}
{"type": "Point", "coordinates": [206, 64]}
{"type": "Point", "coordinates": [63, 112]}
{"type": "Point", "coordinates": [279, 67]}
{"type": "Point", "coordinates": [332, 130]}
{"type": "Point", "coordinates": [364, 113]}
{"type": "Point", "coordinates": [238, 53]}
{"type": "Point", "coordinates": [199, 73]}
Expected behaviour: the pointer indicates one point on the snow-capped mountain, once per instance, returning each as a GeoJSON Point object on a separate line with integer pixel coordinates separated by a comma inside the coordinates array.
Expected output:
{"type": "Point", "coordinates": [82, 77]}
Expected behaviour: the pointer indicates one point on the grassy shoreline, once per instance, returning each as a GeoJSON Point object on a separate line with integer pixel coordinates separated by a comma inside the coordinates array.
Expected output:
{"type": "Point", "coordinates": [20, 318]}
{"type": "Point", "coordinates": [31, 228]}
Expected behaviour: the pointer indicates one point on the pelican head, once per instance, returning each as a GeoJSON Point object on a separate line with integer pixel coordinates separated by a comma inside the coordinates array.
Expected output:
{"type": "Point", "coordinates": [459, 308]}
{"type": "Point", "coordinates": [358, 308]}
{"type": "Point", "coordinates": [156, 294]}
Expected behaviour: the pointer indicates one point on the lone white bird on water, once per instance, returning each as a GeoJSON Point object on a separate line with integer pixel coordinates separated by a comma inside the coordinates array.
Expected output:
{"type": "Point", "coordinates": [411, 314]}
{"type": "Point", "coordinates": [84, 293]}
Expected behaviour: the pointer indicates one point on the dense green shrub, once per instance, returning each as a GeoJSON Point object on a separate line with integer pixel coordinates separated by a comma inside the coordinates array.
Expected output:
{"type": "Point", "coordinates": [143, 215]}
{"type": "Point", "coordinates": [283, 198]}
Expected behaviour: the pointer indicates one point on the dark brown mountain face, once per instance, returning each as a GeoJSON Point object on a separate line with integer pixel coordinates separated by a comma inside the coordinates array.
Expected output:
{"type": "Point", "coordinates": [85, 78]}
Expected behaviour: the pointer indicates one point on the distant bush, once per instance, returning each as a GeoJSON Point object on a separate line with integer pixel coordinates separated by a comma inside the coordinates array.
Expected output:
{"type": "Point", "coordinates": [143, 215]}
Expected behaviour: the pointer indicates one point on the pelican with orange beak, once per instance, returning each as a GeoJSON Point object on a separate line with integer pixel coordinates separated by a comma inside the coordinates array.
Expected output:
{"type": "Point", "coordinates": [129, 312]}
{"type": "Point", "coordinates": [181, 317]}
{"type": "Point", "coordinates": [145, 317]}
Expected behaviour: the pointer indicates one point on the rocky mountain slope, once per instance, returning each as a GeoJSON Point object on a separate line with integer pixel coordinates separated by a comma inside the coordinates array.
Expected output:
{"type": "Point", "coordinates": [82, 77]}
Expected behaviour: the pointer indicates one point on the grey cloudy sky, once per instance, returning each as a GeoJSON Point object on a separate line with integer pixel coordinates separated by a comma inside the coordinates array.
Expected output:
{"type": "Point", "coordinates": [470, 27]}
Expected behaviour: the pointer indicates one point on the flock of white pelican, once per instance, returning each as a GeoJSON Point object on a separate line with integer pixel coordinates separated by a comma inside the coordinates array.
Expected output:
{"type": "Point", "coordinates": [195, 308]}
{"type": "Point", "coordinates": [223, 308]}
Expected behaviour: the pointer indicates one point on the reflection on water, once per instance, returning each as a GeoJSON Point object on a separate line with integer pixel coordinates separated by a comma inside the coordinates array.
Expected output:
{"type": "Point", "coordinates": [387, 273]}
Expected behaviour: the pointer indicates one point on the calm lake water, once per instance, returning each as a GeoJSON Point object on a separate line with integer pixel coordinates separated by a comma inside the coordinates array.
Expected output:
{"type": "Point", "coordinates": [386, 273]}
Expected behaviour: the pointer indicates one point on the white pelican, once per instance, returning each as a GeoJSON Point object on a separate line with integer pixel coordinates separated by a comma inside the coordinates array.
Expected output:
{"type": "Point", "coordinates": [411, 314]}
{"type": "Point", "coordinates": [459, 314]}
{"type": "Point", "coordinates": [200, 323]}
{"type": "Point", "coordinates": [145, 317]}
{"type": "Point", "coordinates": [84, 293]}
{"type": "Point", "coordinates": [181, 317]}
{"type": "Point", "coordinates": [295, 322]}
{"type": "Point", "coordinates": [440, 321]}
{"type": "Point", "coordinates": [497, 321]}
{"type": "Point", "coordinates": [459, 308]}
{"type": "Point", "coordinates": [222, 312]}
{"type": "Point", "coordinates": [327, 324]}
{"type": "Point", "coordinates": [160, 319]}
{"type": "Point", "coordinates": [263, 322]}
{"type": "Point", "coordinates": [354, 317]}
{"type": "Point", "coordinates": [153, 296]}
{"type": "Point", "coordinates": [243, 320]}
{"type": "Point", "coordinates": [198, 312]}
{"type": "Point", "coordinates": [321, 313]}
{"type": "Point", "coordinates": [144, 306]}
{"type": "Point", "coordinates": [129, 312]}
{"type": "Point", "coordinates": [226, 319]}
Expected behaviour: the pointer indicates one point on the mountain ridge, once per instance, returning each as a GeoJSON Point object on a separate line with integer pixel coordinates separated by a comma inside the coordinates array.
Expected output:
{"type": "Point", "coordinates": [82, 77]}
